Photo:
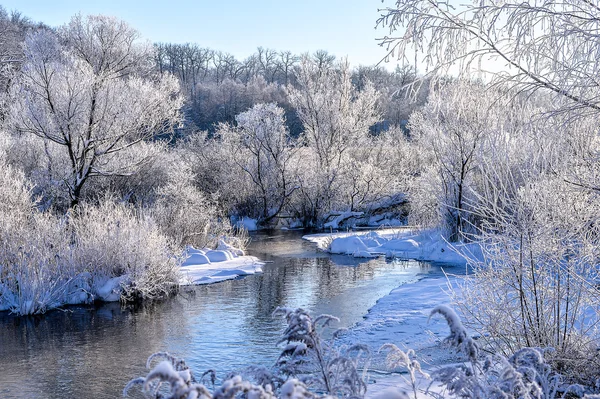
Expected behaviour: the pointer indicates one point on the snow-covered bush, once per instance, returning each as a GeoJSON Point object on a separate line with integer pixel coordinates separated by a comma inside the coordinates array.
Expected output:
{"type": "Point", "coordinates": [307, 361]}
{"type": "Point", "coordinates": [114, 240]}
{"type": "Point", "coordinates": [336, 119]}
{"type": "Point", "coordinates": [185, 214]}
{"type": "Point", "coordinates": [316, 362]}
{"type": "Point", "coordinates": [261, 148]}
{"type": "Point", "coordinates": [537, 285]}
{"type": "Point", "coordinates": [105, 252]}
{"type": "Point", "coordinates": [172, 379]}
{"type": "Point", "coordinates": [35, 258]}
{"type": "Point", "coordinates": [451, 130]}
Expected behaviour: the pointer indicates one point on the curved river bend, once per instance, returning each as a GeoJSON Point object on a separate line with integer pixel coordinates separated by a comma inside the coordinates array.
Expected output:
{"type": "Point", "coordinates": [88, 352]}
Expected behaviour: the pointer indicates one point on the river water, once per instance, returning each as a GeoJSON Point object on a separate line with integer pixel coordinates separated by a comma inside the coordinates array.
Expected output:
{"type": "Point", "coordinates": [91, 352]}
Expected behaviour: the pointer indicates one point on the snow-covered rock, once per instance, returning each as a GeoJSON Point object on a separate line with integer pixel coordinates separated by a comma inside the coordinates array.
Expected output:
{"type": "Point", "coordinates": [347, 245]}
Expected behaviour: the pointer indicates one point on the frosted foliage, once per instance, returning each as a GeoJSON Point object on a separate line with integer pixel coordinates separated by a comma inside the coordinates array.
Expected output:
{"type": "Point", "coordinates": [536, 286]}
{"type": "Point", "coordinates": [398, 358]}
{"type": "Point", "coordinates": [114, 240]}
{"type": "Point", "coordinates": [315, 361]}
{"type": "Point", "coordinates": [87, 91]}
{"type": "Point", "coordinates": [334, 113]}
{"type": "Point", "coordinates": [103, 252]}
{"type": "Point", "coordinates": [262, 149]}
{"type": "Point", "coordinates": [525, 375]}
{"type": "Point", "coordinates": [538, 45]}
{"type": "Point", "coordinates": [345, 168]}
{"type": "Point", "coordinates": [172, 379]}
{"type": "Point", "coordinates": [186, 214]}
{"type": "Point", "coordinates": [35, 259]}
{"type": "Point", "coordinates": [452, 130]}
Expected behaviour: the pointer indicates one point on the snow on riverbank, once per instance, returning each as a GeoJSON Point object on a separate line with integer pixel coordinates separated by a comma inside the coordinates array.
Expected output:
{"type": "Point", "coordinates": [402, 317]}
{"type": "Point", "coordinates": [208, 266]}
{"type": "Point", "coordinates": [428, 245]}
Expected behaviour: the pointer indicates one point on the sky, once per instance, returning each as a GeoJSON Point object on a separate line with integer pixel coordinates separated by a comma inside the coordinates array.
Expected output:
{"type": "Point", "coordinates": [342, 27]}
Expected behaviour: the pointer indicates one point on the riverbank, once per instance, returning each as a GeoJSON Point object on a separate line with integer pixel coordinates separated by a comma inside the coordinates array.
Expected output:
{"type": "Point", "coordinates": [402, 317]}
{"type": "Point", "coordinates": [212, 266]}
{"type": "Point", "coordinates": [401, 243]}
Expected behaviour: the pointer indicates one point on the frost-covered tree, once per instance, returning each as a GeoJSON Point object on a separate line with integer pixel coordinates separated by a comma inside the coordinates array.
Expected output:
{"type": "Point", "coordinates": [539, 45]}
{"type": "Point", "coordinates": [336, 118]}
{"type": "Point", "coordinates": [451, 130]}
{"type": "Point", "coordinates": [90, 91]}
{"type": "Point", "coordinates": [334, 113]}
{"type": "Point", "coordinates": [263, 149]}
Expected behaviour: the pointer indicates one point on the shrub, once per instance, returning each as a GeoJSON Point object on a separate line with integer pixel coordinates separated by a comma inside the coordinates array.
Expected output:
{"type": "Point", "coordinates": [35, 267]}
{"type": "Point", "coordinates": [113, 240]}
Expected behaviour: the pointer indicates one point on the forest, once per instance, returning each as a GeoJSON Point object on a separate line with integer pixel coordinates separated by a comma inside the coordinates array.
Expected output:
{"type": "Point", "coordinates": [116, 154]}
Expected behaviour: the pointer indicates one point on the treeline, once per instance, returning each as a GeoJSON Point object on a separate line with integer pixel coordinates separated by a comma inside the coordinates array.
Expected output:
{"type": "Point", "coordinates": [218, 86]}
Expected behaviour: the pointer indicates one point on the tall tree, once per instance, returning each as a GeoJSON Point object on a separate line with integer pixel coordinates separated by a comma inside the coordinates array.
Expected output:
{"type": "Point", "coordinates": [90, 90]}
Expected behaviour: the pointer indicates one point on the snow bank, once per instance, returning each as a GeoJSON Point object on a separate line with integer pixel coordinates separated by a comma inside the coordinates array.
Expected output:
{"type": "Point", "coordinates": [402, 318]}
{"type": "Point", "coordinates": [247, 223]}
{"type": "Point", "coordinates": [397, 243]}
{"type": "Point", "coordinates": [206, 266]}
{"type": "Point", "coordinates": [339, 218]}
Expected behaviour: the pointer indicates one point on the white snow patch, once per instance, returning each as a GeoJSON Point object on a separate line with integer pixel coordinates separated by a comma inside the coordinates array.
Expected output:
{"type": "Point", "coordinates": [426, 245]}
{"type": "Point", "coordinates": [247, 223]}
{"type": "Point", "coordinates": [364, 254]}
{"type": "Point", "coordinates": [402, 318]}
{"type": "Point", "coordinates": [213, 266]}
{"type": "Point", "coordinates": [340, 217]}
{"type": "Point", "coordinates": [218, 255]}
{"type": "Point", "coordinates": [228, 247]}
{"type": "Point", "coordinates": [347, 245]}
{"type": "Point", "coordinates": [111, 290]}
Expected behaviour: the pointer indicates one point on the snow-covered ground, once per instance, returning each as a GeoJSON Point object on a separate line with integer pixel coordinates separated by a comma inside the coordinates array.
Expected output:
{"type": "Point", "coordinates": [206, 266]}
{"type": "Point", "coordinates": [427, 245]}
{"type": "Point", "coordinates": [402, 317]}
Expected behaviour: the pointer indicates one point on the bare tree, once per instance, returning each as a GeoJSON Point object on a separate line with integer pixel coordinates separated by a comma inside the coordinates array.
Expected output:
{"type": "Point", "coordinates": [336, 117]}
{"type": "Point", "coordinates": [452, 127]}
{"type": "Point", "coordinates": [91, 91]}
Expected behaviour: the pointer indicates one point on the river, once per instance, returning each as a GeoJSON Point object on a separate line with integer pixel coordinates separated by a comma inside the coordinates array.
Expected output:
{"type": "Point", "coordinates": [91, 352]}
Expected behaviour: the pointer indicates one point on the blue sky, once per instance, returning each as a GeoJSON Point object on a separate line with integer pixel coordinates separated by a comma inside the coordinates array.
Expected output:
{"type": "Point", "coordinates": [342, 27]}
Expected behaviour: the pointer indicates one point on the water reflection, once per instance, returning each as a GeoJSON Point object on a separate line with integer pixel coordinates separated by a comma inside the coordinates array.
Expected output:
{"type": "Point", "coordinates": [93, 352]}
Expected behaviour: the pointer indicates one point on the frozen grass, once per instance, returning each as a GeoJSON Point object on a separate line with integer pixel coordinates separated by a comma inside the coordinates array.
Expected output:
{"type": "Point", "coordinates": [93, 253]}
{"type": "Point", "coordinates": [309, 367]}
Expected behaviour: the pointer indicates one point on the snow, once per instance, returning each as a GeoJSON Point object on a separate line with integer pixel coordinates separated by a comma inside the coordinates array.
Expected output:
{"type": "Point", "coordinates": [206, 266]}
{"type": "Point", "coordinates": [111, 290]}
{"type": "Point", "coordinates": [403, 316]}
{"type": "Point", "coordinates": [427, 245]}
{"type": "Point", "coordinates": [340, 217]}
{"type": "Point", "coordinates": [347, 245]}
{"type": "Point", "coordinates": [247, 223]}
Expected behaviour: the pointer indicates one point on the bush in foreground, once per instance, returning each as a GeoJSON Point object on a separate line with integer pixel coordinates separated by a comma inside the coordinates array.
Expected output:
{"type": "Point", "coordinates": [309, 367]}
